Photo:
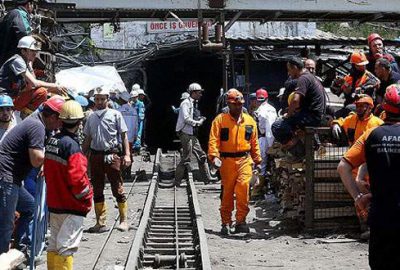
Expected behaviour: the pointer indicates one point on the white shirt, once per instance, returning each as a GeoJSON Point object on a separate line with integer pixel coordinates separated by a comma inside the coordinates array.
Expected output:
{"type": "Point", "coordinates": [266, 116]}
{"type": "Point", "coordinates": [185, 121]}
{"type": "Point", "coordinates": [131, 117]}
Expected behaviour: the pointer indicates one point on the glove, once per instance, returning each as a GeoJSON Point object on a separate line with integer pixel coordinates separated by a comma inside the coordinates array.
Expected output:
{"type": "Point", "coordinates": [336, 131]}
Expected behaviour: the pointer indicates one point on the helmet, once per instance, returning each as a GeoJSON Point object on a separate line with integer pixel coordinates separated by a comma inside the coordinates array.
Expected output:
{"type": "Point", "coordinates": [290, 98]}
{"type": "Point", "coordinates": [252, 96]}
{"type": "Point", "coordinates": [135, 87]}
{"type": "Point", "coordinates": [6, 101]}
{"type": "Point", "coordinates": [358, 58]}
{"type": "Point", "coordinates": [185, 95]}
{"type": "Point", "coordinates": [365, 99]}
{"type": "Point", "coordinates": [141, 92]}
{"type": "Point", "coordinates": [101, 91]}
{"type": "Point", "coordinates": [55, 103]}
{"type": "Point", "coordinates": [391, 101]}
{"type": "Point", "coordinates": [28, 42]}
{"type": "Point", "coordinates": [125, 96]}
{"type": "Point", "coordinates": [134, 94]}
{"type": "Point", "coordinates": [372, 37]}
{"type": "Point", "coordinates": [234, 96]}
{"type": "Point", "coordinates": [261, 94]}
{"type": "Point", "coordinates": [71, 111]}
{"type": "Point", "coordinates": [82, 100]}
{"type": "Point", "coordinates": [195, 87]}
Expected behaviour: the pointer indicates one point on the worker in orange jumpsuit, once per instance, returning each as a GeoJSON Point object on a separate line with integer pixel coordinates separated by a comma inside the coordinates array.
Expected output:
{"type": "Point", "coordinates": [233, 145]}
{"type": "Point", "coordinates": [354, 126]}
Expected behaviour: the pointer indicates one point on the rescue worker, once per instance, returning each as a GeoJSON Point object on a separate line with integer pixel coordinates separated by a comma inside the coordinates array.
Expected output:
{"type": "Point", "coordinates": [6, 115]}
{"type": "Point", "coordinates": [140, 108]}
{"type": "Point", "coordinates": [69, 193]}
{"type": "Point", "coordinates": [15, 25]}
{"type": "Point", "coordinates": [358, 81]}
{"type": "Point", "coordinates": [21, 150]}
{"type": "Point", "coordinates": [376, 51]}
{"type": "Point", "coordinates": [379, 148]}
{"type": "Point", "coordinates": [233, 146]}
{"type": "Point", "coordinates": [131, 119]}
{"type": "Point", "coordinates": [307, 108]}
{"type": "Point", "coordinates": [107, 143]}
{"type": "Point", "coordinates": [18, 80]}
{"type": "Point", "coordinates": [189, 119]}
{"type": "Point", "coordinates": [265, 117]}
{"type": "Point", "coordinates": [385, 73]}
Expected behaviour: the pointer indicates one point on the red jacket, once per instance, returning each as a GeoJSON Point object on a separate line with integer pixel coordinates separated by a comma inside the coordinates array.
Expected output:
{"type": "Point", "coordinates": [65, 170]}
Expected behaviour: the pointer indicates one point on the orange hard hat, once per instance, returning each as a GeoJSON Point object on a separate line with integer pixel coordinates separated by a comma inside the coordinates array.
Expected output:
{"type": "Point", "coordinates": [372, 37]}
{"type": "Point", "coordinates": [261, 94]}
{"type": "Point", "coordinates": [55, 103]}
{"type": "Point", "coordinates": [234, 96]}
{"type": "Point", "coordinates": [365, 99]}
{"type": "Point", "coordinates": [358, 58]}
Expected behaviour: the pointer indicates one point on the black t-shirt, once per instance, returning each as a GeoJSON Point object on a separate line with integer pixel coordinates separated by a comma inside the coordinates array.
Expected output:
{"type": "Point", "coordinates": [314, 100]}
{"type": "Point", "coordinates": [382, 153]}
{"type": "Point", "coordinates": [394, 77]}
{"type": "Point", "coordinates": [14, 155]}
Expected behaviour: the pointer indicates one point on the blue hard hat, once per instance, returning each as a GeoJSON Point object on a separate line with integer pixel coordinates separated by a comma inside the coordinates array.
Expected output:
{"type": "Point", "coordinates": [82, 100]}
{"type": "Point", "coordinates": [6, 101]}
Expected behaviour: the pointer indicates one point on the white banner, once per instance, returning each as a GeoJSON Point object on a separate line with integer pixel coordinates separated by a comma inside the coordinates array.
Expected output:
{"type": "Point", "coordinates": [172, 26]}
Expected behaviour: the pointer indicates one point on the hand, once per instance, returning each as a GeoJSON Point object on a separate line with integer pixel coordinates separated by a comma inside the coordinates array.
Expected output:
{"type": "Point", "coordinates": [363, 186]}
{"type": "Point", "coordinates": [217, 162]}
{"type": "Point", "coordinates": [336, 131]}
{"type": "Point", "coordinates": [126, 161]}
{"type": "Point", "coordinates": [201, 121]}
{"type": "Point", "coordinates": [61, 90]}
{"type": "Point", "coordinates": [362, 204]}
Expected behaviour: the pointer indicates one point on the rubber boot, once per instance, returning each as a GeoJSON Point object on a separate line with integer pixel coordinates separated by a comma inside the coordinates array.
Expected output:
{"type": "Point", "coordinates": [123, 217]}
{"type": "Point", "coordinates": [259, 189]}
{"type": "Point", "coordinates": [101, 216]}
{"type": "Point", "coordinates": [50, 260]}
{"type": "Point", "coordinates": [63, 262]}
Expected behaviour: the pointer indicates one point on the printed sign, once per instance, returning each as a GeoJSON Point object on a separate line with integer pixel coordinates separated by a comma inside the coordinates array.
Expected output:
{"type": "Point", "coordinates": [172, 26]}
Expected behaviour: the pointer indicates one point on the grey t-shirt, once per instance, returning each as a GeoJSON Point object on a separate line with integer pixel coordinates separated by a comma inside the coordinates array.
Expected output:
{"type": "Point", "coordinates": [11, 76]}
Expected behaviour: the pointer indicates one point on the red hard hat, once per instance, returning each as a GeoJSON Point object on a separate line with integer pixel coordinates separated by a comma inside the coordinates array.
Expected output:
{"type": "Point", "coordinates": [55, 103]}
{"type": "Point", "coordinates": [391, 101]}
{"type": "Point", "coordinates": [234, 96]}
{"type": "Point", "coordinates": [372, 37]}
{"type": "Point", "coordinates": [261, 94]}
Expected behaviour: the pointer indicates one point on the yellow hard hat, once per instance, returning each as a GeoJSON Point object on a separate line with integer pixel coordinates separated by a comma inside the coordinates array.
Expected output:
{"type": "Point", "coordinates": [71, 111]}
{"type": "Point", "coordinates": [290, 98]}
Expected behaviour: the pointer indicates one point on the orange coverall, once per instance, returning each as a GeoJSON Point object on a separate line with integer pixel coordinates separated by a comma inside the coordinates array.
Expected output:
{"type": "Point", "coordinates": [229, 138]}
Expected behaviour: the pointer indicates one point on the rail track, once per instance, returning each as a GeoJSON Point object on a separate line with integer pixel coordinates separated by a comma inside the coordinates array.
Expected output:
{"type": "Point", "coordinates": [171, 231]}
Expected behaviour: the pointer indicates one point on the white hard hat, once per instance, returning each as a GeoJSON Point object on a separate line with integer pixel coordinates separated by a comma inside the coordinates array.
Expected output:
{"type": "Point", "coordinates": [102, 91]}
{"type": "Point", "coordinates": [135, 87]}
{"type": "Point", "coordinates": [28, 42]}
{"type": "Point", "coordinates": [185, 95]}
{"type": "Point", "coordinates": [195, 87]}
{"type": "Point", "coordinates": [134, 94]}
{"type": "Point", "coordinates": [124, 96]}
{"type": "Point", "coordinates": [141, 92]}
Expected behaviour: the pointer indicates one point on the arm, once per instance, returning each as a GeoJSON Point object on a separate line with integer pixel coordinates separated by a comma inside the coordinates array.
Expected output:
{"type": "Point", "coordinates": [53, 88]}
{"type": "Point", "coordinates": [36, 157]}
{"type": "Point", "coordinates": [187, 117]}
{"type": "Point", "coordinates": [125, 144]}
{"type": "Point", "coordinates": [86, 144]}
{"type": "Point", "coordinates": [214, 139]}
{"type": "Point", "coordinates": [77, 178]}
{"type": "Point", "coordinates": [255, 147]}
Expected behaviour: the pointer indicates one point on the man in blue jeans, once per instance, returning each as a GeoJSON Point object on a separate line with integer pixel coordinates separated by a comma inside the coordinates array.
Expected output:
{"type": "Point", "coordinates": [306, 107]}
{"type": "Point", "coordinates": [21, 150]}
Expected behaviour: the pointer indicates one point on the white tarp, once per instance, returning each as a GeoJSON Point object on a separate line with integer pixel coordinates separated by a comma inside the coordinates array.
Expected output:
{"type": "Point", "coordinates": [83, 79]}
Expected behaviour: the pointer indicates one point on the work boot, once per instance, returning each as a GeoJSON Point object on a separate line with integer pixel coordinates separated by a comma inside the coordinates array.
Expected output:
{"type": "Point", "coordinates": [225, 229]}
{"type": "Point", "coordinates": [242, 228]}
{"type": "Point", "coordinates": [50, 260]}
{"type": "Point", "coordinates": [123, 217]}
{"type": "Point", "coordinates": [101, 216]}
{"type": "Point", "coordinates": [63, 262]}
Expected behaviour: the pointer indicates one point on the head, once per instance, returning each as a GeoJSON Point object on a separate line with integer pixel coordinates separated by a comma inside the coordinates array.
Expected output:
{"type": "Point", "coordinates": [101, 97]}
{"type": "Point", "coordinates": [235, 102]}
{"type": "Point", "coordinates": [6, 109]}
{"type": "Point", "coordinates": [27, 4]}
{"type": "Point", "coordinates": [124, 97]}
{"type": "Point", "coordinates": [295, 67]}
{"type": "Point", "coordinates": [134, 96]}
{"type": "Point", "coordinates": [51, 111]}
{"type": "Point", "coordinates": [391, 102]}
{"type": "Point", "coordinates": [375, 44]}
{"type": "Point", "coordinates": [358, 61]}
{"type": "Point", "coordinates": [261, 96]}
{"type": "Point", "coordinates": [185, 95]}
{"type": "Point", "coordinates": [71, 115]}
{"type": "Point", "coordinates": [195, 90]}
{"type": "Point", "coordinates": [310, 65]}
{"type": "Point", "coordinates": [29, 48]}
{"type": "Point", "coordinates": [382, 68]}
{"type": "Point", "coordinates": [364, 106]}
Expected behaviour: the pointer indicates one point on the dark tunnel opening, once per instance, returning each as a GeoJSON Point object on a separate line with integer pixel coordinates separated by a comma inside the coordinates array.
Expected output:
{"type": "Point", "coordinates": [168, 78]}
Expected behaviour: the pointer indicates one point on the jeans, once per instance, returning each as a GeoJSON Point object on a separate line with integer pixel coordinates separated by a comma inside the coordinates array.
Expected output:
{"type": "Point", "coordinates": [26, 208]}
{"type": "Point", "coordinates": [283, 129]}
{"type": "Point", "coordinates": [8, 204]}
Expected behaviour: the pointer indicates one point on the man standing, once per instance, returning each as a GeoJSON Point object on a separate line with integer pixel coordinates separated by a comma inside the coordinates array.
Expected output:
{"type": "Point", "coordinates": [189, 120]}
{"type": "Point", "coordinates": [380, 149]}
{"type": "Point", "coordinates": [233, 145]}
{"type": "Point", "coordinates": [21, 150]}
{"type": "Point", "coordinates": [306, 108]}
{"type": "Point", "coordinates": [376, 51]}
{"type": "Point", "coordinates": [69, 194]}
{"type": "Point", "coordinates": [139, 106]}
{"type": "Point", "coordinates": [107, 142]}
{"type": "Point", "coordinates": [265, 116]}
{"type": "Point", "coordinates": [15, 25]}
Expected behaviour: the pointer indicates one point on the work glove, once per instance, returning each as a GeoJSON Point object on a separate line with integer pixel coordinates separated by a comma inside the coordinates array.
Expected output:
{"type": "Point", "coordinates": [336, 131]}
